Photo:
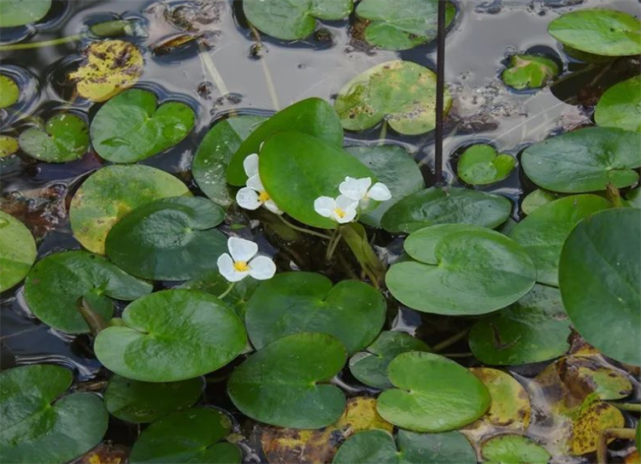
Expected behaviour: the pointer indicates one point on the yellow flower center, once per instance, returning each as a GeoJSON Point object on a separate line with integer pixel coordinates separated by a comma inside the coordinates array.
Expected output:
{"type": "Point", "coordinates": [263, 197]}
{"type": "Point", "coordinates": [241, 266]}
{"type": "Point", "coordinates": [340, 213]}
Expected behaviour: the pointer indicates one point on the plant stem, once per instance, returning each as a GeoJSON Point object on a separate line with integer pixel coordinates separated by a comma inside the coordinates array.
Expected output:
{"type": "Point", "coordinates": [45, 43]}
{"type": "Point", "coordinates": [331, 246]}
{"type": "Point", "coordinates": [303, 230]}
{"type": "Point", "coordinates": [633, 407]}
{"type": "Point", "coordinates": [268, 76]}
{"type": "Point", "coordinates": [457, 355]}
{"type": "Point", "coordinates": [450, 341]}
{"type": "Point", "coordinates": [614, 195]}
{"type": "Point", "coordinates": [604, 436]}
{"type": "Point", "coordinates": [383, 134]}
{"type": "Point", "coordinates": [93, 319]}
{"type": "Point", "coordinates": [208, 63]}
{"type": "Point", "coordinates": [228, 291]}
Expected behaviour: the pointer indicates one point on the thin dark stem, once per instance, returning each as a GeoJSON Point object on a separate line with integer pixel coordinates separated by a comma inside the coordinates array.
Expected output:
{"type": "Point", "coordinates": [303, 230]}
{"type": "Point", "coordinates": [440, 92]}
{"type": "Point", "coordinates": [450, 341]}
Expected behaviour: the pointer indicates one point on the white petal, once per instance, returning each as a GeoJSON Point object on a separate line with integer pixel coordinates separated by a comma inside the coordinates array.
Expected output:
{"type": "Point", "coordinates": [248, 198]}
{"type": "Point", "coordinates": [346, 203]}
{"type": "Point", "coordinates": [262, 268]}
{"type": "Point", "coordinates": [227, 270]}
{"type": "Point", "coordinates": [349, 216]}
{"type": "Point", "coordinates": [325, 206]}
{"type": "Point", "coordinates": [379, 192]}
{"type": "Point", "coordinates": [254, 183]}
{"type": "Point", "coordinates": [356, 189]}
{"type": "Point", "coordinates": [251, 165]}
{"type": "Point", "coordinates": [273, 207]}
{"type": "Point", "coordinates": [241, 249]}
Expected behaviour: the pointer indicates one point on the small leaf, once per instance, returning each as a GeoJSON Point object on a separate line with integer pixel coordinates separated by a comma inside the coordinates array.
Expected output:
{"type": "Point", "coordinates": [9, 90]}
{"type": "Point", "coordinates": [620, 106]}
{"type": "Point", "coordinates": [8, 146]}
{"type": "Point", "coordinates": [17, 251]}
{"type": "Point", "coordinates": [529, 72]}
{"type": "Point", "coordinates": [15, 13]}
{"type": "Point", "coordinates": [481, 165]}
{"type": "Point", "coordinates": [64, 138]}
{"type": "Point", "coordinates": [514, 449]}
{"type": "Point", "coordinates": [113, 28]}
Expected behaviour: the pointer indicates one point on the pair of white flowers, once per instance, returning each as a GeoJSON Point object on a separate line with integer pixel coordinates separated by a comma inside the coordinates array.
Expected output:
{"type": "Point", "coordinates": [254, 195]}
{"type": "Point", "coordinates": [355, 193]}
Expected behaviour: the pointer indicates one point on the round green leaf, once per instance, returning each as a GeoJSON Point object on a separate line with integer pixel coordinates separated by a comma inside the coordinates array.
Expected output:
{"type": "Point", "coordinates": [400, 92]}
{"type": "Point", "coordinates": [168, 239]}
{"type": "Point", "coordinates": [57, 282]}
{"type": "Point", "coordinates": [598, 31]}
{"type": "Point", "coordinates": [351, 311]}
{"type": "Point", "coordinates": [131, 127]}
{"type": "Point", "coordinates": [285, 383]}
{"type": "Point", "coordinates": [172, 335]}
{"type": "Point", "coordinates": [437, 205]}
{"type": "Point", "coordinates": [214, 153]}
{"type": "Point", "coordinates": [289, 20]}
{"type": "Point", "coordinates": [64, 138]}
{"type": "Point", "coordinates": [142, 402]}
{"type": "Point", "coordinates": [534, 329]}
{"type": "Point", "coordinates": [378, 446]}
{"type": "Point", "coordinates": [403, 24]}
{"type": "Point", "coordinates": [15, 13]}
{"type": "Point", "coordinates": [514, 449]}
{"type": "Point", "coordinates": [599, 269]}
{"type": "Point", "coordinates": [191, 436]}
{"type": "Point", "coordinates": [370, 366]}
{"type": "Point", "coordinates": [39, 427]}
{"type": "Point", "coordinates": [297, 168]}
{"type": "Point", "coordinates": [543, 232]}
{"type": "Point", "coordinates": [620, 106]}
{"type": "Point", "coordinates": [537, 198]}
{"type": "Point", "coordinates": [481, 165]}
{"type": "Point", "coordinates": [585, 160]}
{"type": "Point", "coordinates": [394, 167]}
{"type": "Point", "coordinates": [111, 193]}
{"type": "Point", "coordinates": [529, 72]}
{"type": "Point", "coordinates": [17, 251]}
{"type": "Point", "coordinates": [9, 90]}
{"type": "Point", "coordinates": [432, 394]}
{"type": "Point", "coordinates": [461, 270]}
{"type": "Point", "coordinates": [8, 146]}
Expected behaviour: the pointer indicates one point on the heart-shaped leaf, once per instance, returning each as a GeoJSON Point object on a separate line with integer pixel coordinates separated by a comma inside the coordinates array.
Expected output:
{"type": "Point", "coordinates": [9, 90]}
{"type": "Point", "coordinates": [599, 268]}
{"type": "Point", "coordinates": [112, 192]}
{"type": "Point", "coordinates": [295, 302]}
{"type": "Point", "coordinates": [432, 394]}
{"type": "Point", "coordinates": [400, 92]}
{"type": "Point", "coordinates": [620, 106]}
{"type": "Point", "coordinates": [437, 205]}
{"type": "Point", "coordinates": [131, 127]}
{"type": "Point", "coordinates": [529, 72]}
{"type": "Point", "coordinates": [168, 239]}
{"type": "Point", "coordinates": [514, 449]}
{"type": "Point", "coordinates": [17, 251]}
{"type": "Point", "coordinates": [143, 402]}
{"type": "Point", "coordinates": [57, 282]}
{"type": "Point", "coordinates": [481, 165]}
{"type": "Point", "coordinates": [461, 270]}
{"type": "Point", "coordinates": [403, 24]}
{"type": "Point", "coordinates": [8, 146]}
{"type": "Point", "coordinates": [191, 436]}
{"type": "Point", "coordinates": [64, 138]}
{"type": "Point", "coordinates": [15, 13]}
{"type": "Point", "coordinates": [172, 335]}
{"type": "Point", "coordinates": [39, 427]}
{"type": "Point", "coordinates": [585, 160]}
{"type": "Point", "coordinates": [285, 383]}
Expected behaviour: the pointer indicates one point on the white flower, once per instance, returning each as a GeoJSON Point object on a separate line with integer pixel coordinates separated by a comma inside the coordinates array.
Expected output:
{"type": "Point", "coordinates": [341, 209]}
{"type": "Point", "coordinates": [359, 190]}
{"type": "Point", "coordinates": [242, 262]}
{"type": "Point", "coordinates": [254, 195]}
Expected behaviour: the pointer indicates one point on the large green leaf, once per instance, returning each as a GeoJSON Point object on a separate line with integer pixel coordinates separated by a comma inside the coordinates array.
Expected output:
{"type": "Point", "coordinates": [514, 449]}
{"type": "Point", "coordinates": [9, 90]}
{"type": "Point", "coordinates": [585, 160]}
{"type": "Point", "coordinates": [57, 282]}
{"type": "Point", "coordinates": [20, 12]}
{"type": "Point", "coordinates": [64, 138]}
{"type": "Point", "coordinates": [529, 72]}
{"type": "Point", "coordinates": [131, 127]}
{"type": "Point", "coordinates": [286, 383]}
{"type": "Point", "coordinates": [172, 335]}
{"type": "Point", "coordinates": [481, 164]}
{"type": "Point", "coordinates": [39, 426]}
{"type": "Point", "coordinates": [620, 106]}
{"type": "Point", "coordinates": [296, 302]}
{"type": "Point", "coordinates": [432, 394]}
{"type": "Point", "coordinates": [17, 251]}
{"type": "Point", "coordinates": [599, 275]}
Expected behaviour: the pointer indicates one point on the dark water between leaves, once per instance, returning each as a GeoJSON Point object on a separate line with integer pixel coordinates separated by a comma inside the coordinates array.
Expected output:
{"type": "Point", "coordinates": [484, 110]}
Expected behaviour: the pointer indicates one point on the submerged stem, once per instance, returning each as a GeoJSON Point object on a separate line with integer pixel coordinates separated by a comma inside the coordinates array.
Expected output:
{"type": "Point", "coordinates": [208, 63]}
{"type": "Point", "coordinates": [228, 291]}
{"type": "Point", "coordinates": [268, 76]}
{"type": "Point", "coordinates": [632, 407]}
{"type": "Point", "coordinates": [44, 43]}
{"type": "Point", "coordinates": [303, 230]}
{"type": "Point", "coordinates": [93, 319]}
{"type": "Point", "coordinates": [450, 341]}
{"type": "Point", "coordinates": [383, 134]}
{"type": "Point", "coordinates": [605, 435]}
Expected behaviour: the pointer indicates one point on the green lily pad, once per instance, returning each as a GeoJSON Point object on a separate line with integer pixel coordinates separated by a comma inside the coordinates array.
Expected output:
{"type": "Point", "coordinates": [514, 449]}
{"type": "Point", "coordinates": [370, 366]}
{"type": "Point", "coordinates": [400, 92]}
{"type": "Point", "coordinates": [481, 165]}
{"type": "Point", "coordinates": [529, 72]}
{"type": "Point", "coordinates": [15, 13]}
{"type": "Point", "coordinates": [537, 198]}
{"type": "Point", "coordinates": [403, 24]}
{"type": "Point", "coordinates": [57, 282]}
{"type": "Point", "coordinates": [132, 127]}
{"type": "Point", "coordinates": [297, 168]}
{"type": "Point", "coordinates": [543, 232]}
{"type": "Point", "coordinates": [172, 335]}
{"type": "Point", "coordinates": [143, 402]}
{"type": "Point", "coordinates": [64, 138]}
{"type": "Point", "coordinates": [585, 160]}
{"type": "Point", "coordinates": [168, 239]}
{"type": "Point", "coordinates": [9, 90]}
{"type": "Point", "coordinates": [351, 311]}
{"type": "Point", "coordinates": [599, 269]}
{"type": "Point", "coordinates": [432, 394]}
{"type": "Point", "coordinates": [17, 251]}
{"type": "Point", "coordinates": [287, 20]}
{"type": "Point", "coordinates": [8, 146]}
{"type": "Point", "coordinates": [395, 168]}
{"type": "Point", "coordinates": [313, 116]}
{"type": "Point", "coordinates": [112, 192]}
{"type": "Point", "coordinates": [461, 270]}
{"type": "Point", "coordinates": [286, 383]}
{"type": "Point", "coordinates": [191, 436]}
{"type": "Point", "coordinates": [214, 153]}
{"type": "Point", "coordinates": [534, 329]}
{"type": "Point", "coordinates": [620, 106]}
{"type": "Point", "coordinates": [437, 205]}
{"type": "Point", "coordinates": [598, 31]}
{"type": "Point", "coordinates": [378, 446]}
{"type": "Point", "coordinates": [39, 426]}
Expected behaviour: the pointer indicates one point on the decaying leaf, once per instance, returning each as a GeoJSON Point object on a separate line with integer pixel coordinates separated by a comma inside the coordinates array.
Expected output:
{"type": "Point", "coordinates": [105, 453]}
{"type": "Point", "coordinates": [589, 423]}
